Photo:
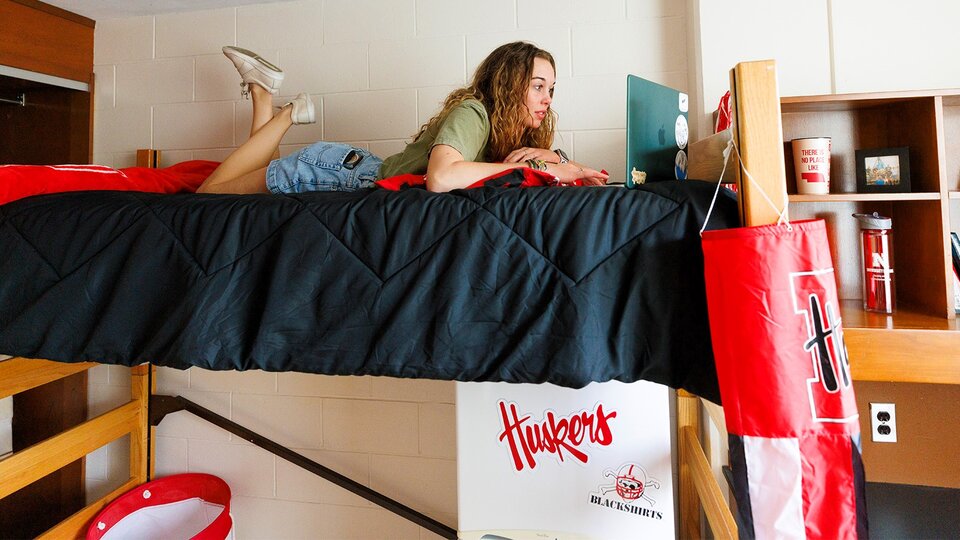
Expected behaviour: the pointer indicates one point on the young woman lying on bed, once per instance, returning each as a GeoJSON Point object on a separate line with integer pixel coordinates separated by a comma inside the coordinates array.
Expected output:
{"type": "Point", "coordinates": [502, 120]}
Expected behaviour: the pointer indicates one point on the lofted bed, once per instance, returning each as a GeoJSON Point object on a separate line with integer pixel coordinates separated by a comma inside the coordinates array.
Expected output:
{"type": "Point", "coordinates": [236, 282]}
{"type": "Point", "coordinates": [754, 84]}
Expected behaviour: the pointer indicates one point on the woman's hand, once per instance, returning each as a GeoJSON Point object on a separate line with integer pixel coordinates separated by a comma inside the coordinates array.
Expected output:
{"type": "Point", "coordinates": [570, 172]}
{"type": "Point", "coordinates": [523, 154]}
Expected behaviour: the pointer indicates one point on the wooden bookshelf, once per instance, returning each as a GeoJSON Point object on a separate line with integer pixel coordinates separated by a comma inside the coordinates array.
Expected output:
{"type": "Point", "coordinates": [921, 341]}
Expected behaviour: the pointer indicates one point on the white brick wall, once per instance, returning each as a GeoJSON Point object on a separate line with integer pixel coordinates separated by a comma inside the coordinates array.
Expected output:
{"type": "Point", "coordinates": [109, 466]}
{"type": "Point", "coordinates": [377, 70]}
{"type": "Point", "coordinates": [397, 436]}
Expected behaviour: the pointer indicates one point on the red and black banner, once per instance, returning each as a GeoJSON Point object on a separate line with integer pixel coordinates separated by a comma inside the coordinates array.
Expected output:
{"type": "Point", "coordinates": [785, 382]}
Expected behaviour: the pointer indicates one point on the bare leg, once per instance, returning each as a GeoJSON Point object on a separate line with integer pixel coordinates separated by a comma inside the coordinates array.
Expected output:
{"type": "Point", "coordinates": [252, 182]}
{"type": "Point", "coordinates": [262, 111]}
{"type": "Point", "coordinates": [247, 164]}
{"type": "Point", "coordinates": [262, 107]}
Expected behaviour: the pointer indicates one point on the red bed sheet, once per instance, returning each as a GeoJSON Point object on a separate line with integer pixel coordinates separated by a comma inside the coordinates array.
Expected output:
{"type": "Point", "coordinates": [19, 181]}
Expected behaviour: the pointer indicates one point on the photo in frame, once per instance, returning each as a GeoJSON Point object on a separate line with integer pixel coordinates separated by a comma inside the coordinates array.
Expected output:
{"type": "Point", "coordinates": [883, 170]}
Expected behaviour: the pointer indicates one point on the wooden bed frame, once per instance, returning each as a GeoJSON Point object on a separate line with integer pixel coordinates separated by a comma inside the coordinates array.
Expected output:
{"type": "Point", "coordinates": [758, 136]}
{"type": "Point", "coordinates": [33, 463]}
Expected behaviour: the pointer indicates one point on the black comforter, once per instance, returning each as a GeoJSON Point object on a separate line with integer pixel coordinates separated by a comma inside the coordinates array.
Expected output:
{"type": "Point", "coordinates": [560, 285]}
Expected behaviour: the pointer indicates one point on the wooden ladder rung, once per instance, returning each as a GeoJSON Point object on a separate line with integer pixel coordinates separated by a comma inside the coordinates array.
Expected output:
{"type": "Point", "coordinates": [41, 459]}
{"type": "Point", "coordinates": [21, 374]}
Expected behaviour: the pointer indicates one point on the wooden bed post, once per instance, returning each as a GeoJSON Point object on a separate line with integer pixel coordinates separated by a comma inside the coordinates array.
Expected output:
{"type": "Point", "coordinates": [758, 133]}
{"type": "Point", "coordinates": [142, 386]}
{"type": "Point", "coordinates": [147, 157]}
{"type": "Point", "coordinates": [688, 418]}
{"type": "Point", "coordinates": [143, 382]}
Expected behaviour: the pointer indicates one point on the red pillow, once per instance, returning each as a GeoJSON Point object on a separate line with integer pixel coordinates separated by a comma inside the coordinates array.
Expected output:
{"type": "Point", "coordinates": [19, 181]}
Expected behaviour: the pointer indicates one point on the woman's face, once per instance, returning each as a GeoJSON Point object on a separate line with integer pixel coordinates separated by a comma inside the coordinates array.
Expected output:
{"type": "Point", "coordinates": [540, 92]}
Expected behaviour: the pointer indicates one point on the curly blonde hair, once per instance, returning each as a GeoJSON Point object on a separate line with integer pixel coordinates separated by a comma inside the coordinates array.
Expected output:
{"type": "Point", "coordinates": [500, 83]}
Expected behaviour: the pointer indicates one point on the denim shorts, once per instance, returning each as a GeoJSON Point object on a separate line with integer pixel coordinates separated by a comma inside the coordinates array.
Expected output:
{"type": "Point", "coordinates": [323, 166]}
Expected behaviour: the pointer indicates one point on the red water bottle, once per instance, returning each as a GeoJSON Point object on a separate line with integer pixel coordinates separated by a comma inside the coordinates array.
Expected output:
{"type": "Point", "coordinates": [876, 258]}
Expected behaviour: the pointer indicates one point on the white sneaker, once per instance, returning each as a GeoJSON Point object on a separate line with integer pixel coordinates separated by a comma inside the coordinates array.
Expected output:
{"type": "Point", "coordinates": [303, 111]}
{"type": "Point", "coordinates": [254, 70]}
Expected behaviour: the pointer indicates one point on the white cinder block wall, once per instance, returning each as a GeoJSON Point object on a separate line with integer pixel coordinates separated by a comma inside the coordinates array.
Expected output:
{"type": "Point", "coordinates": [822, 47]}
{"type": "Point", "coordinates": [377, 70]}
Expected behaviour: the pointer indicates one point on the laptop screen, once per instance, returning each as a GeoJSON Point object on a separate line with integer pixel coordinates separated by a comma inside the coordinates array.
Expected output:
{"type": "Point", "coordinates": [657, 130]}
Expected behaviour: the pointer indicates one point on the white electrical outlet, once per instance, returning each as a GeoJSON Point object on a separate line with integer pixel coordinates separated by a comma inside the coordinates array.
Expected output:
{"type": "Point", "coordinates": [883, 422]}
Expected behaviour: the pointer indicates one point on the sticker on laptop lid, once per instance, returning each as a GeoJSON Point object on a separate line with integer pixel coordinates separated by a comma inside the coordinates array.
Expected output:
{"type": "Point", "coordinates": [681, 131]}
{"type": "Point", "coordinates": [684, 102]}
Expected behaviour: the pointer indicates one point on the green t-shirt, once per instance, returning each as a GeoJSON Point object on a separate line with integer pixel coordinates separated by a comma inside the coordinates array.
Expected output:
{"type": "Point", "coordinates": [466, 128]}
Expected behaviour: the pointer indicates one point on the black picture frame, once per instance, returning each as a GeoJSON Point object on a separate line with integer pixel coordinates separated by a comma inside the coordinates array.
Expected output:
{"type": "Point", "coordinates": [883, 170]}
